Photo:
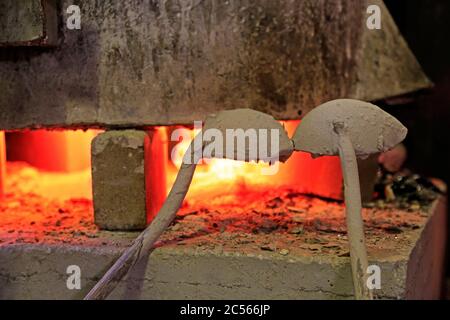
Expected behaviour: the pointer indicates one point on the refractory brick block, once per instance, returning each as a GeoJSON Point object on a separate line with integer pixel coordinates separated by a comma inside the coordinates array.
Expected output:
{"type": "Point", "coordinates": [118, 179]}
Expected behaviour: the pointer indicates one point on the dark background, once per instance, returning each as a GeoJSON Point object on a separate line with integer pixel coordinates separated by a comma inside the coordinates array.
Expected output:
{"type": "Point", "coordinates": [425, 24]}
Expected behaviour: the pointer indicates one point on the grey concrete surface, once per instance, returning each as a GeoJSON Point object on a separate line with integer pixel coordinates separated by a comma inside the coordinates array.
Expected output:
{"type": "Point", "coordinates": [191, 272]}
{"type": "Point", "coordinates": [137, 63]}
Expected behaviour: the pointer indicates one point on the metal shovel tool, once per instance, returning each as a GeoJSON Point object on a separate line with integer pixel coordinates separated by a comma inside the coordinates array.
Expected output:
{"type": "Point", "coordinates": [239, 119]}
{"type": "Point", "coordinates": [350, 129]}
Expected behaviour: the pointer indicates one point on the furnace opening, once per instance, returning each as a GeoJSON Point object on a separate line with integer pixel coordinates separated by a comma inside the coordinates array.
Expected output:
{"type": "Point", "coordinates": [57, 164]}
{"type": "Point", "coordinates": [48, 183]}
{"type": "Point", "coordinates": [48, 192]}
{"type": "Point", "coordinates": [228, 181]}
{"type": "Point", "coordinates": [51, 163]}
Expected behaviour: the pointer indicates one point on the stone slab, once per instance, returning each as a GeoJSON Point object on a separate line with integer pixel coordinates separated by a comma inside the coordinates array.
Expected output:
{"type": "Point", "coordinates": [411, 270]}
{"type": "Point", "coordinates": [137, 63]}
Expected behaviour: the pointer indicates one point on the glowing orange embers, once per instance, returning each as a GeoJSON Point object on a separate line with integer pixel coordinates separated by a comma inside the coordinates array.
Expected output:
{"type": "Point", "coordinates": [47, 196]}
{"type": "Point", "coordinates": [222, 181]}
{"type": "Point", "coordinates": [54, 163]}
{"type": "Point", "coordinates": [59, 168]}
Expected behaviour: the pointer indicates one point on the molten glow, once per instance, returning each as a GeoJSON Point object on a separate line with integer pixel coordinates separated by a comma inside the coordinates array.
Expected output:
{"type": "Point", "coordinates": [52, 150]}
{"type": "Point", "coordinates": [2, 163]}
{"type": "Point", "coordinates": [156, 170]}
{"type": "Point", "coordinates": [224, 178]}
{"type": "Point", "coordinates": [221, 169]}
{"type": "Point", "coordinates": [60, 162]}
{"type": "Point", "coordinates": [234, 181]}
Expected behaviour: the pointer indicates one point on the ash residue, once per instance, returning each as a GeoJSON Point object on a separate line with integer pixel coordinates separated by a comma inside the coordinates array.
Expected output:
{"type": "Point", "coordinates": [277, 221]}
{"type": "Point", "coordinates": [284, 222]}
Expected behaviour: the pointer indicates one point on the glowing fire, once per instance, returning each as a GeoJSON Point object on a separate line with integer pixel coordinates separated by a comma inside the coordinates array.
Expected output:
{"type": "Point", "coordinates": [221, 169]}
{"type": "Point", "coordinates": [61, 169]}
{"type": "Point", "coordinates": [59, 162]}
{"type": "Point", "coordinates": [231, 180]}
{"type": "Point", "coordinates": [220, 177]}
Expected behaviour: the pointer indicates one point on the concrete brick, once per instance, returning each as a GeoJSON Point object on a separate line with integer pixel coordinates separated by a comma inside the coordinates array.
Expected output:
{"type": "Point", "coordinates": [137, 63]}
{"type": "Point", "coordinates": [118, 179]}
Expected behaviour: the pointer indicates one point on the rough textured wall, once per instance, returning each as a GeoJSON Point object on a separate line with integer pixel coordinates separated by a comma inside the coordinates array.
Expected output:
{"type": "Point", "coordinates": [24, 17]}
{"type": "Point", "coordinates": [28, 23]}
{"type": "Point", "coordinates": [136, 63]}
{"type": "Point", "coordinates": [386, 66]}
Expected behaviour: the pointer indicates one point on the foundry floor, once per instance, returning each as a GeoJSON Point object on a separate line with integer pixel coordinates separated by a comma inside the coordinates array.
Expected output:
{"type": "Point", "coordinates": [277, 221]}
